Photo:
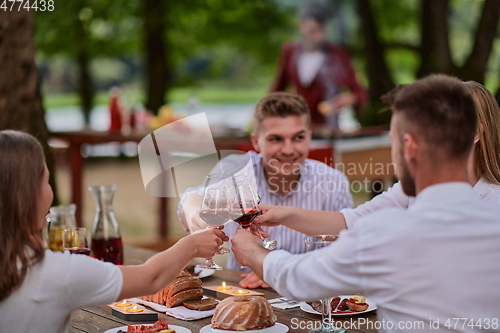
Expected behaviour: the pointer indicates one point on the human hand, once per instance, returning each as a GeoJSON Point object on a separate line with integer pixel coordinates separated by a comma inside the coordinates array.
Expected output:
{"type": "Point", "coordinates": [247, 248]}
{"type": "Point", "coordinates": [271, 216]}
{"type": "Point", "coordinates": [251, 281]}
{"type": "Point", "coordinates": [342, 100]}
{"type": "Point", "coordinates": [195, 223]}
{"type": "Point", "coordinates": [206, 242]}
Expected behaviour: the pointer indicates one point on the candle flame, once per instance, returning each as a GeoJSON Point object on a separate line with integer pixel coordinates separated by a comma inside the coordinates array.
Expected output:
{"type": "Point", "coordinates": [224, 284]}
{"type": "Point", "coordinates": [240, 291]}
{"type": "Point", "coordinates": [124, 301]}
{"type": "Point", "coordinates": [135, 307]}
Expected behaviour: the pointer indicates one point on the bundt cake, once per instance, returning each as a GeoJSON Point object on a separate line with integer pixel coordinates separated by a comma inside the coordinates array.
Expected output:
{"type": "Point", "coordinates": [243, 313]}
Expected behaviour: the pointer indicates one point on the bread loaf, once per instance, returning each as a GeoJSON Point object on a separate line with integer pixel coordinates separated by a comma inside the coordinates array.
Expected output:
{"type": "Point", "coordinates": [183, 288]}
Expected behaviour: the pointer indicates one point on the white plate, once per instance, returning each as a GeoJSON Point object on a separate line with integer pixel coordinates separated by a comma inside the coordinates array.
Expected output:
{"type": "Point", "coordinates": [276, 328]}
{"type": "Point", "coordinates": [307, 308]}
{"type": "Point", "coordinates": [203, 272]}
{"type": "Point", "coordinates": [178, 329]}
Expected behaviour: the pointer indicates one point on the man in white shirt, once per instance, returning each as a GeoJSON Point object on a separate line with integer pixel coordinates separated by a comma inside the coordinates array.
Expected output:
{"type": "Point", "coordinates": [429, 265]}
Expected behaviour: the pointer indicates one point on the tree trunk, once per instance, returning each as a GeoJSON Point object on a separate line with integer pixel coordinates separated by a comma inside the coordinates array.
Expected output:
{"type": "Point", "coordinates": [379, 76]}
{"type": "Point", "coordinates": [83, 59]}
{"type": "Point", "coordinates": [475, 66]}
{"type": "Point", "coordinates": [85, 85]}
{"type": "Point", "coordinates": [20, 100]}
{"type": "Point", "coordinates": [156, 57]}
{"type": "Point", "coordinates": [435, 54]}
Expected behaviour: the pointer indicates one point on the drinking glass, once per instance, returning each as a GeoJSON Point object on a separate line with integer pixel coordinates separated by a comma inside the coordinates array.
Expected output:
{"type": "Point", "coordinates": [75, 240]}
{"type": "Point", "coordinates": [245, 206]}
{"type": "Point", "coordinates": [314, 243]}
{"type": "Point", "coordinates": [215, 209]}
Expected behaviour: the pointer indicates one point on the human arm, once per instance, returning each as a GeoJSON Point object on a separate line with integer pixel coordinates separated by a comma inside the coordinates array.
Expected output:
{"type": "Point", "coordinates": [357, 95]}
{"type": "Point", "coordinates": [319, 222]}
{"type": "Point", "coordinates": [163, 267]}
{"type": "Point", "coordinates": [308, 276]}
{"type": "Point", "coordinates": [394, 197]}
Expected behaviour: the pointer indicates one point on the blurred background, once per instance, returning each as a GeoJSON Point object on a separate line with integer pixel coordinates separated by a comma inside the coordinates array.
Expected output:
{"type": "Point", "coordinates": [214, 56]}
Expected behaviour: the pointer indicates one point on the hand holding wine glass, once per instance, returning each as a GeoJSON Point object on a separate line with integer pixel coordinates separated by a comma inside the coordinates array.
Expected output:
{"type": "Point", "coordinates": [215, 208]}
{"type": "Point", "coordinates": [245, 207]}
{"type": "Point", "coordinates": [75, 240]}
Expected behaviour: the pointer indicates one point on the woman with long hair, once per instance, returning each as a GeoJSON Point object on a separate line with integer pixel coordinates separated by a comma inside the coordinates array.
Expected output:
{"type": "Point", "coordinates": [39, 288]}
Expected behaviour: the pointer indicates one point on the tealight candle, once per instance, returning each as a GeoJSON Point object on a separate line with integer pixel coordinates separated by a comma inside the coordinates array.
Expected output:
{"type": "Point", "coordinates": [241, 292]}
{"type": "Point", "coordinates": [124, 303]}
{"type": "Point", "coordinates": [223, 287]}
{"type": "Point", "coordinates": [134, 309]}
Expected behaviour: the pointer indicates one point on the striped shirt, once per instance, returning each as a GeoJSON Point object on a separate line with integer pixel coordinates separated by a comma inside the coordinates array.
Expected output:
{"type": "Point", "coordinates": [319, 187]}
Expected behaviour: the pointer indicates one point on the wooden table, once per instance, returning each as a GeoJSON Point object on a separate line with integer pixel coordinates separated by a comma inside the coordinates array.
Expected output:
{"type": "Point", "coordinates": [99, 318]}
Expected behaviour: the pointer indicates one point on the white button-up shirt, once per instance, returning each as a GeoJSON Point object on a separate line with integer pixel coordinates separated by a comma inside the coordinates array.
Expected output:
{"type": "Point", "coordinates": [435, 261]}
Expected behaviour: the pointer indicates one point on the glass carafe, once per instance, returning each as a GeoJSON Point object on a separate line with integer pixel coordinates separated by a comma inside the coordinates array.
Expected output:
{"type": "Point", "coordinates": [58, 219]}
{"type": "Point", "coordinates": [106, 239]}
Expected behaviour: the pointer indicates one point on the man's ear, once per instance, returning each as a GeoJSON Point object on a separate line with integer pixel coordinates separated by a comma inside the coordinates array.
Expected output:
{"type": "Point", "coordinates": [410, 148]}
{"type": "Point", "coordinates": [253, 138]}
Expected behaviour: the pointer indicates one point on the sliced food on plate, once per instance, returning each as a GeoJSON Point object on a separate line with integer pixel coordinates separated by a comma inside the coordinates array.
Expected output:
{"type": "Point", "coordinates": [342, 305]}
{"type": "Point", "coordinates": [161, 326]}
{"type": "Point", "coordinates": [184, 290]}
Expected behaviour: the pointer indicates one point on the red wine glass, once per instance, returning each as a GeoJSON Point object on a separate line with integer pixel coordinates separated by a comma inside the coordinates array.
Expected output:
{"type": "Point", "coordinates": [75, 240]}
{"type": "Point", "coordinates": [214, 210]}
{"type": "Point", "coordinates": [245, 207]}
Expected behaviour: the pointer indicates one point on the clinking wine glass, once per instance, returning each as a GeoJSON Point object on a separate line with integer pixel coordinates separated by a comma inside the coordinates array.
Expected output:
{"type": "Point", "coordinates": [75, 240]}
{"type": "Point", "coordinates": [245, 207]}
{"type": "Point", "coordinates": [214, 210]}
{"type": "Point", "coordinates": [314, 243]}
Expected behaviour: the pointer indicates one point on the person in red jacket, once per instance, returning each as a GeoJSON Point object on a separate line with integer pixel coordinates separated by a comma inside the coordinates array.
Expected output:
{"type": "Point", "coordinates": [319, 71]}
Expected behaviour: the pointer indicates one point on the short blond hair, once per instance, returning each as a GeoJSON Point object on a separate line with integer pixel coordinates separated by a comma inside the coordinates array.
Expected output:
{"type": "Point", "coordinates": [487, 150]}
{"type": "Point", "coordinates": [280, 104]}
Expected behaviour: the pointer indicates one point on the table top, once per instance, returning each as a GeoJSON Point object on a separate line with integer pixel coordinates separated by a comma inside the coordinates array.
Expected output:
{"type": "Point", "coordinates": [99, 318]}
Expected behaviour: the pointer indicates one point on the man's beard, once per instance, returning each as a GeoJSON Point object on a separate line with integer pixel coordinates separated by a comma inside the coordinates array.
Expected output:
{"type": "Point", "coordinates": [406, 179]}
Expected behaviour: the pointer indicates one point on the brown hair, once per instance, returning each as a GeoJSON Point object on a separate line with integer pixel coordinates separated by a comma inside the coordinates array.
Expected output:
{"type": "Point", "coordinates": [440, 110]}
{"type": "Point", "coordinates": [22, 165]}
{"type": "Point", "coordinates": [487, 150]}
{"type": "Point", "coordinates": [280, 104]}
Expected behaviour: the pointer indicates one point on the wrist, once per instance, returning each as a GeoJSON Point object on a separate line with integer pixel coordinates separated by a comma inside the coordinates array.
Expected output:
{"type": "Point", "coordinates": [188, 246]}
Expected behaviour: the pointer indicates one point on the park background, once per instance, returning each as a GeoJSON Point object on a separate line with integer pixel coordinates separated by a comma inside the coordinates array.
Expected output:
{"type": "Point", "coordinates": [218, 56]}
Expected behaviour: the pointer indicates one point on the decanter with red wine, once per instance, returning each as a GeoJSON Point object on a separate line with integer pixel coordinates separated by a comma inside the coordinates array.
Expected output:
{"type": "Point", "coordinates": [106, 242]}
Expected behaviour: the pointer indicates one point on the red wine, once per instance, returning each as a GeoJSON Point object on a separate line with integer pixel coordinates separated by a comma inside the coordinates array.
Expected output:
{"type": "Point", "coordinates": [79, 250]}
{"type": "Point", "coordinates": [214, 216]}
{"type": "Point", "coordinates": [110, 250]}
{"type": "Point", "coordinates": [245, 216]}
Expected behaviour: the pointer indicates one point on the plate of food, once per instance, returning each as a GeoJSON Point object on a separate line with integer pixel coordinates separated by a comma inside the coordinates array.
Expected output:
{"type": "Point", "coordinates": [276, 328]}
{"type": "Point", "coordinates": [160, 326]}
{"type": "Point", "coordinates": [342, 305]}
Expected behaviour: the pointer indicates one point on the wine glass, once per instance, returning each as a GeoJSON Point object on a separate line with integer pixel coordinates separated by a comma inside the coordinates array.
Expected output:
{"type": "Point", "coordinates": [313, 243]}
{"type": "Point", "coordinates": [215, 209]}
{"type": "Point", "coordinates": [245, 207]}
{"type": "Point", "coordinates": [75, 240]}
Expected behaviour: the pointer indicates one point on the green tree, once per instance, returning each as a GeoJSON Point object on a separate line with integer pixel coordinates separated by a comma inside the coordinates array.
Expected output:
{"type": "Point", "coordinates": [84, 30]}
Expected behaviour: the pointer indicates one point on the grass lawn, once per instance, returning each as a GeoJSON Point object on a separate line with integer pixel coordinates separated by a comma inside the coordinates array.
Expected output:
{"type": "Point", "coordinates": [209, 94]}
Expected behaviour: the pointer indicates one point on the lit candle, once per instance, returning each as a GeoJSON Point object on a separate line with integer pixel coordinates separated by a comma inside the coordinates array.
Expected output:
{"type": "Point", "coordinates": [134, 309]}
{"type": "Point", "coordinates": [124, 303]}
{"type": "Point", "coordinates": [241, 292]}
{"type": "Point", "coordinates": [223, 287]}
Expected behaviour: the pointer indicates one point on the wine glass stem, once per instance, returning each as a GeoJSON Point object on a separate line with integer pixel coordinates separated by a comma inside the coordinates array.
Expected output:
{"type": "Point", "coordinates": [327, 314]}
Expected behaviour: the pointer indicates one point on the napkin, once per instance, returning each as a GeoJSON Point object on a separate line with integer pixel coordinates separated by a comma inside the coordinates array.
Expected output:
{"type": "Point", "coordinates": [283, 303]}
{"type": "Point", "coordinates": [178, 312]}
